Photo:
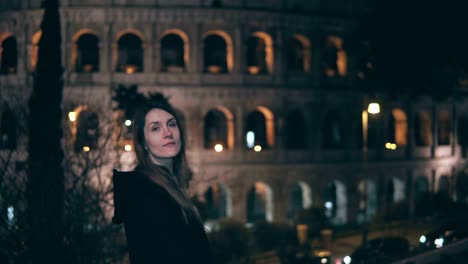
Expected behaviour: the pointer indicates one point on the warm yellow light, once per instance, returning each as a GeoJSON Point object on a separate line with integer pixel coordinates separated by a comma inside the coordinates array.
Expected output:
{"type": "Point", "coordinates": [72, 116]}
{"type": "Point", "coordinates": [128, 147]}
{"type": "Point", "coordinates": [128, 122]}
{"type": "Point", "coordinates": [394, 146]}
{"type": "Point", "coordinates": [257, 148]}
{"type": "Point", "coordinates": [373, 108]}
{"type": "Point", "coordinates": [86, 148]}
{"type": "Point", "coordinates": [130, 69]}
{"type": "Point", "coordinates": [218, 147]}
{"type": "Point", "coordinates": [253, 70]}
{"type": "Point", "coordinates": [390, 145]}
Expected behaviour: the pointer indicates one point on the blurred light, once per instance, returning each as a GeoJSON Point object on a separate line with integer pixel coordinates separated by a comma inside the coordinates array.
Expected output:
{"type": "Point", "coordinates": [128, 148]}
{"type": "Point", "coordinates": [130, 69]}
{"type": "Point", "coordinates": [218, 147]}
{"type": "Point", "coordinates": [324, 260]}
{"type": "Point", "coordinates": [257, 148]}
{"type": "Point", "coordinates": [250, 138]}
{"type": "Point", "coordinates": [373, 108]}
{"type": "Point", "coordinates": [439, 242]}
{"type": "Point", "coordinates": [128, 122]}
{"type": "Point", "coordinates": [328, 205]}
{"type": "Point", "coordinates": [86, 148]}
{"type": "Point", "coordinates": [72, 116]}
{"type": "Point", "coordinates": [390, 145]}
{"type": "Point", "coordinates": [10, 213]}
{"type": "Point", "coordinates": [347, 260]}
{"type": "Point", "coordinates": [423, 239]}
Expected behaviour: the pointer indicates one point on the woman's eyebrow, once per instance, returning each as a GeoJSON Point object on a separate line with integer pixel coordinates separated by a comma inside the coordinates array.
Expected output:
{"type": "Point", "coordinates": [154, 123]}
{"type": "Point", "coordinates": [171, 119]}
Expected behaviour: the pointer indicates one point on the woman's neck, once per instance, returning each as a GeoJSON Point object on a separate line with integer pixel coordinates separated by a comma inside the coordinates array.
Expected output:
{"type": "Point", "coordinates": [165, 162]}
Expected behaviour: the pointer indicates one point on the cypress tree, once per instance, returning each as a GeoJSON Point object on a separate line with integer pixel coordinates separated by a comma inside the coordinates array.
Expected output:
{"type": "Point", "coordinates": [45, 188]}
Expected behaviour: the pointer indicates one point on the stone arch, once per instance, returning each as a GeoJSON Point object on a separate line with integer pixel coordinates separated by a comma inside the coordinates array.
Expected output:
{"type": "Point", "coordinates": [259, 203]}
{"type": "Point", "coordinates": [175, 54]}
{"type": "Point", "coordinates": [8, 127]}
{"type": "Point", "coordinates": [223, 52]}
{"type": "Point", "coordinates": [218, 201]}
{"type": "Point", "coordinates": [215, 129]}
{"type": "Point", "coordinates": [85, 51]}
{"type": "Point", "coordinates": [299, 50]}
{"type": "Point", "coordinates": [397, 128]}
{"type": "Point", "coordinates": [300, 198]}
{"type": "Point", "coordinates": [35, 50]}
{"type": "Point", "coordinates": [335, 59]}
{"type": "Point", "coordinates": [128, 51]}
{"type": "Point", "coordinates": [295, 130]}
{"type": "Point", "coordinates": [87, 131]}
{"type": "Point", "coordinates": [423, 129]}
{"type": "Point", "coordinates": [332, 130]}
{"type": "Point", "coordinates": [444, 128]}
{"type": "Point", "coordinates": [368, 204]}
{"type": "Point", "coordinates": [336, 201]}
{"type": "Point", "coordinates": [8, 54]}
{"type": "Point", "coordinates": [260, 58]}
{"type": "Point", "coordinates": [261, 123]}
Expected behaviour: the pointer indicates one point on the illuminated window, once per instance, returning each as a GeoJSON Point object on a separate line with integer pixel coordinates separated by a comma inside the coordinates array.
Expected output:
{"type": "Point", "coordinates": [35, 49]}
{"type": "Point", "coordinates": [259, 203]}
{"type": "Point", "coordinates": [397, 129]}
{"type": "Point", "coordinates": [335, 203]}
{"type": "Point", "coordinates": [423, 129]}
{"type": "Point", "coordinates": [87, 53]}
{"type": "Point", "coordinates": [259, 54]}
{"type": "Point", "coordinates": [215, 54]}
{"type": "Point", "coordinates": [129, 54]}
{"type": "Point", "coordinates": [87, 132]}
{"type": "Point", "coordinates": [444, 128]}
{"type": "Point", "coordinates": [8, 127]}
{"type": "Point", "coordinates": [217, 201]}
{"type": "Point", "coordinates": [300, 195]}
{"type": "Point", "coordinates": [261, 123]}
{"type": "Point", "coordinates": [215, 130]}
{"type": "Point", "coordinates": [298, 54]}
{"type": "Point", "coordinates": [172, 53]}
{"type": "Point", "coordinates": [334, 58]}
{"type": "Point", "coordinates": [9, 55]}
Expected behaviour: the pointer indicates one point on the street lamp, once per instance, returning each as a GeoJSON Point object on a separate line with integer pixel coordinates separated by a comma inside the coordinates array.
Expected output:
{"type": "Point", "coordinates": [373, 108]}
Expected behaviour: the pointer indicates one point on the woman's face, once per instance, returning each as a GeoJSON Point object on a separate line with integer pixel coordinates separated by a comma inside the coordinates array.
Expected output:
{"type": "Point", "coordinates": [162, 135]}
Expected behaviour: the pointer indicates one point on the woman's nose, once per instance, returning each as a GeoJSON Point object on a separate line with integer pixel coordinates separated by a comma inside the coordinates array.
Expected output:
{"type": "Point", "coordinates": [167, 132]}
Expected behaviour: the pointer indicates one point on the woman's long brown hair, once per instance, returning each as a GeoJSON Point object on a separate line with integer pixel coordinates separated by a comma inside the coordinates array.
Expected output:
{"type": "Point", "coordinates": [177, 189]}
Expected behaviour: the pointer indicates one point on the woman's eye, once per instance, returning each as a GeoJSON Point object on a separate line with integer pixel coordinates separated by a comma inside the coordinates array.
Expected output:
{"type": "Point", "coordinates": [173, 124]}
{"type": "Point", "coordinates": [155, 129]}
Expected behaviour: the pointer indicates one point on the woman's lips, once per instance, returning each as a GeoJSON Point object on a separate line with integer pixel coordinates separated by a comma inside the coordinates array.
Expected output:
{"type": "Point", "coordinates": [170, 144]}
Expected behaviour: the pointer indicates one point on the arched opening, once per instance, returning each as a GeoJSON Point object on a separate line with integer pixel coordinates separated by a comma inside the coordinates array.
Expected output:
{"type": "Point", "coordinates": [86, 58]}
{"type": "Point", "coordinates": [444, 184]}
{"type": "Point", "coordinates": [259, 203]}
{"type": "Point", "coordinates": [129, 53]}
{"type": "Point", "coordinates": [298, 54]}
{"type": "Point", "coordinates": [9, 55]}
{"type": "Point", "coordinates": [301, 198]}
{"type": "Point", "coordinates": [335, 198]}
{"type": "Point", "coordinates": [368, 201]}
{"type": "Point", "coordinates": [173, 49]}
{"type": "Point", "coordinates": [423, 129]}
{"type": "Point", "coordinates": [422, 201]}
{"type": "Point", "coordinates": [35, 49]}
{"type": "Point", "coordinates": [463, 132]}
{"type": "Point", "coordinates": [295, 130]}
{"type": "Point", "coordinates": [215, 54]}
{"type": "Point", "coordinates": [334, 58]}
{"type": "Point", "coordinates": [332, 130]}
{"type": "Point", "coordinates": [259, 54]}
{"type": "Point", "coordinates": [87, 131]}
{"type": "Point", "coordinates": [8, 128]}
{"type": "Point", "coordinates": [445, 130]}
{"type": "Point", "coordinates": [215, 130]}
{"type": "Point", "coordinates": [260, 128]}
{"type": "Point", "coordinates": [217, 200]}
{"type": "Point", "coordinates": [397, 129]}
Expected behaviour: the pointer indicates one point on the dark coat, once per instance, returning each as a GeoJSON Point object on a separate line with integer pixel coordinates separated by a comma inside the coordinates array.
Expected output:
{"type": "Point", "coordinates": [155, 227]}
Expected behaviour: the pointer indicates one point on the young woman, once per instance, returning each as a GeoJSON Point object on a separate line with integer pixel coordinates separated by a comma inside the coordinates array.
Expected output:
{"type": "Point", "coordinates": [161, 223]}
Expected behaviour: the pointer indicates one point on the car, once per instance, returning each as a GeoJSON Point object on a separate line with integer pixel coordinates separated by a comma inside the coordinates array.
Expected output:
{"type": "Point", "coordinates": [380, 250]}
{"type": "Point", "coordinates": [442, 236]}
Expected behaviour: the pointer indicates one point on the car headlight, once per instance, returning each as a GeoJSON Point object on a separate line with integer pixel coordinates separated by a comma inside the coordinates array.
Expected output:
{"type": "Point", "coordinates": [422, 239]}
